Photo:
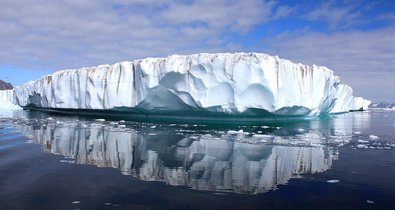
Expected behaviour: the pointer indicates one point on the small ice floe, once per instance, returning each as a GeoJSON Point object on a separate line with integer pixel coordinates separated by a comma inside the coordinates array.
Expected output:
{"type": "Point", "coordinates": [76, 202]}
{"type": "Point", "coordinates": [107, 204]}
{"type": "Point", "coordinates": [59, 122]}
{"type": "Point", "coordinates": [357, 132]}
{"type": "Point", "coordinates": [113, 123]}
{"type": "Point", "coordinates": [232, 132]}
{"type": "Point", "coordinates": [373, 137]}
{"type": "Point", "coordinates": [332, 181]}
{"type": "Point", "coordinates": [362, 146]}
{"type": "Point", "coordinates": [122, 121]}
{"type": "Point", "coordinates": [265, 126]}
{"type": "Point", "coordinates": [300, 129]}
{"type": "Point", "coordinates": [219, 193]}
{"type": "Point", "coordinates": [100, 120]}
{"type": "Point", "coordinates": [261, 136]}
{"type": "Point", "coordinates": [50, 118]}
{"type": "Point", "coordinates": [122, 126]}
{"type": "Point", "coordinates": [362, 141]}
{"type": "Point", "coordinates": [154, 126]}
{"type": "Point", "coordinates": [369, 201]}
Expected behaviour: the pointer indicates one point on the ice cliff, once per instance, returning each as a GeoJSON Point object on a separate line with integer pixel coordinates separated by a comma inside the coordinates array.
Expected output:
{"type": "Point", "coordinates": [227, 83]}
{"type": "Point", "coordinates": [7, 100]}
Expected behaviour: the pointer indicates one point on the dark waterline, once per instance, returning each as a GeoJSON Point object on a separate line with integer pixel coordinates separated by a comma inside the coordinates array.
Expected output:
{"type": "Point", "coordinates": [165, 166]}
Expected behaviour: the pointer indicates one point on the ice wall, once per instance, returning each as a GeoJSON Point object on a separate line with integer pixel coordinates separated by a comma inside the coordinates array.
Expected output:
{"type": "Point", "coordinates": [223, 82]}
{"type": "Point", "coordinates": [7, 100]}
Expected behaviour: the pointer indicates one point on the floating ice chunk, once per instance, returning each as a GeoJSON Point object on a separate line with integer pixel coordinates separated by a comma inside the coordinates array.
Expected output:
{"type": "Point", "coordinates": [373, 137]}
{"type": "Point", "coordinates": [265, 126]}
{"type": "Point", "coordinates": [370, 201]}
{"type": "Point", "coordinates": [357, 132]}
{"type": "Point", "coordinates": [113, 123]}
{"type": "Point", "coordinates": [232, 132]}
{"type": "Point", "coordinates": [332, 181]}
{"type": "Point", "coordinates": [362, 146]}
{"type": "Point", "coordinates": [76, 202]}
{"type": "Point", "coordinates": [362, 141]}
{"type": "Point", "coordinates": [154, 126]}
{"type": "Point", "coordinates": [261, 136]}
{"type": "Point", "coordinates": [300, 129]}
{"type": "Point", "coordinates": [50, 118]}
{"type": "Point", "coordinates": [100, 120]}
{"type": "Point", "coordinates": [122, 126]}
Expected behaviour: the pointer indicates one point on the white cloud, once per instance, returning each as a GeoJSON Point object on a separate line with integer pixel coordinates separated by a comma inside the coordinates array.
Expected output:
{"type": "Point", "coordinates": [72, 33]}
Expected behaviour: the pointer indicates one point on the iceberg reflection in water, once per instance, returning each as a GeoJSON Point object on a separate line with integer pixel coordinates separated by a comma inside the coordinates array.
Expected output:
{"type": "Point", "coordinates": [251, 160]}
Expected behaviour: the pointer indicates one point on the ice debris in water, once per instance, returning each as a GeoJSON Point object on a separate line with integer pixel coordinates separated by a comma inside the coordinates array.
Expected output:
{"type": "Point", "coordinates": [362, 146]}
{"type": "Point", "coordinates": [373, 137]}
{"type": "Point", "coordinates": [332, 181]}
{"type": "Point", "coordinates": [100, 120]}
{"type": "Point", "coordinates": [357, 132]}
{"type": "Point", "coordinates": [76, 202]}
{"type": "Point", "coordinates": [362, 141]}
{"type": "Point", "coordinates": [369, 201]}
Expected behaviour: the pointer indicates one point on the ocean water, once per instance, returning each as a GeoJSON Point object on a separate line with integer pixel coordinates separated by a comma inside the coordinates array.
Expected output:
{"type": "Point", "coordinates": [66, 162]}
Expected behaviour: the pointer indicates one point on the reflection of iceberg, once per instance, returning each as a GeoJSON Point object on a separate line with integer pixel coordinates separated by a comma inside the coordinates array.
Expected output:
{"type": "Point", "coordinates": [200, 161]}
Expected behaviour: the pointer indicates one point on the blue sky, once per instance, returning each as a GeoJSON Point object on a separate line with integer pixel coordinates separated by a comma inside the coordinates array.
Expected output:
{"type": "Point", "coordinates": [354, 38]}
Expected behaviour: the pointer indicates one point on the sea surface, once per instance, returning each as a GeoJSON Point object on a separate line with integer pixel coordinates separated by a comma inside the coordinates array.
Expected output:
{"type": "Point", "coordinates": [343, 161]}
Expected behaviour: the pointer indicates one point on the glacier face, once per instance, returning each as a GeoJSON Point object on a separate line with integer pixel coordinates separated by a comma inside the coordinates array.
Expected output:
{"type": "Point", "coordinates": [227, 83]}
{"type": "Point", "coordinates": [7, 100]}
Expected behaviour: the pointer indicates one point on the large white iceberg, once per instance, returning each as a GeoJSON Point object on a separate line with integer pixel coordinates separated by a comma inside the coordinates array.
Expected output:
{"type": "Point", "coordinates": [225, 83]}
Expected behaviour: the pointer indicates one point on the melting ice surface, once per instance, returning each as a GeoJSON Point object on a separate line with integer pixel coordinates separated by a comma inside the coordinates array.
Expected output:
{"type": "Point", "coordinates": [239, 159]}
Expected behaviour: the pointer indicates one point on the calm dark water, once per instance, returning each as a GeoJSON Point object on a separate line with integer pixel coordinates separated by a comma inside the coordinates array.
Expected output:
{"type": "Point", "coordinates": [55, 162]}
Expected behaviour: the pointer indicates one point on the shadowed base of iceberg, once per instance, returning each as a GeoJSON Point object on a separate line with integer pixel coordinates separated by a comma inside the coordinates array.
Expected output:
{"type": "Point", "coordinates": [251, 116]}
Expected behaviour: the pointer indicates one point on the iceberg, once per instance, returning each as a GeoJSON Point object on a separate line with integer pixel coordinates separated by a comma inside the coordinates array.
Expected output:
{"type": "Point", "coordinates": [7, 100]}
{"type": "Point", "coordinates": [246, 84]}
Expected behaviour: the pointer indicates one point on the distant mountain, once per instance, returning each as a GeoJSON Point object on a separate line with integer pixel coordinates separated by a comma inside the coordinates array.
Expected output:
{"type": "Point", "coordinates": [382, 105]}
{"type": "Point", "coordinates": [5, 85]}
